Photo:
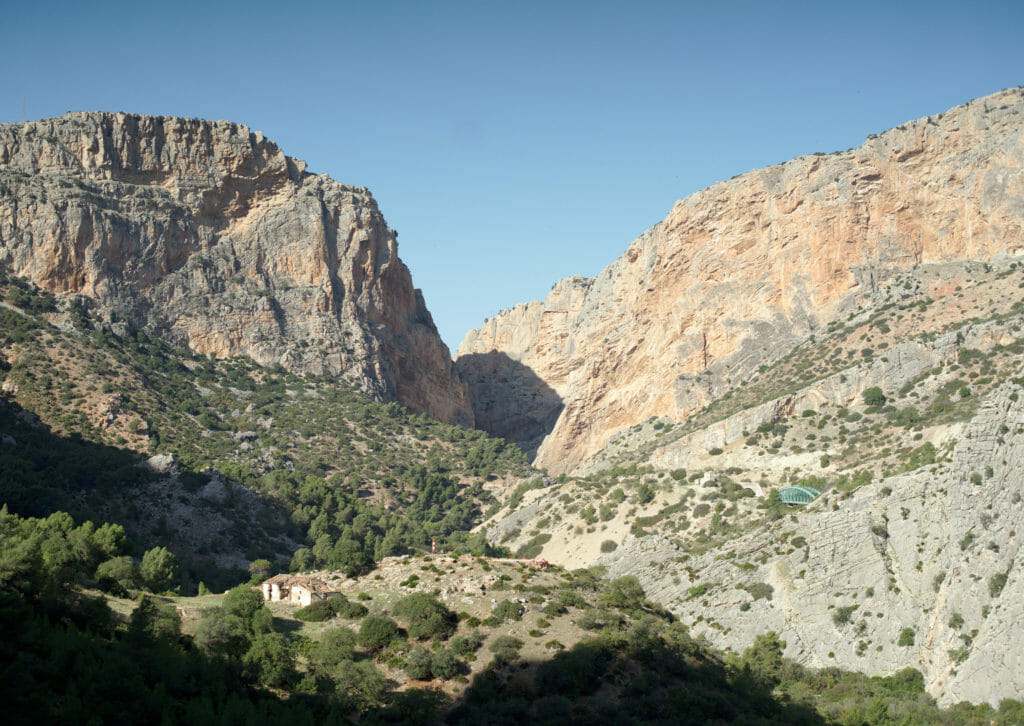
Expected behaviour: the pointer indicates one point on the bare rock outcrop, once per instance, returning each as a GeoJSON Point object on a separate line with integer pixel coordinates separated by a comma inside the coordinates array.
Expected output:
{"type": "Point", "coordinates": [207, 234]}
{"type": "Point", "coordinates": [921, 569]}
{"type": "Point", "coordinates": [741, 271]}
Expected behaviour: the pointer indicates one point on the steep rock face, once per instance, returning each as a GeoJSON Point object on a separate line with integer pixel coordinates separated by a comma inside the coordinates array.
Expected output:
{"type": "Point", "coordinates": [509, 399]}
{"type": "Point", "coordinates": [739, 272]}
{"type": "Point", "coordinates": [207, 234]}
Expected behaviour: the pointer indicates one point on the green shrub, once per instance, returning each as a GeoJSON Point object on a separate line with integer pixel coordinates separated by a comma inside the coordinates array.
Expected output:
{"type": "Point", "coordinates": [624, 593]}
{"type": "Point", "coordinates": [873, 396]}
{"type": "Point", "coordinates": [906, 638]}
{"type": "Point", "coordinates": [507, 610]}
{"type": "Point", "coordinates": [376, 632]}
{"type": "Point", "coordinates": [644, 494]}
{"type": "Point", "coordinates": [760, 590]}
{"type": "Point", "coordinates": [842, 615]}
{"type": "Point", "coordinates": [247, 605]}
{"type": "Point", "coordinates": [158, 569]}
{"type": "Point", "coordinates": [270, 660]}
{"type": "Point", "coordinates": [907, 417]}
{"type": "Point", "coordinates": [506, 649]}
{"type": "Point", "coordinates": [534, 547]}
{"type": "Point", "coordinates": [334, 646]}
{"type": "Point", "coordinates": [696, 591]}
{"type": "Point", "coordinates": [221, 633]}
{"type": "Point", "coordinates": [156, 620]}
{"type": "Point", "coordinates": [609, 546]}
{"type": "Point", "coordinates": [315, 612]}
{"type": "Point", "coordinates": [360, 683]}
{"type": "Point", "coordinates": [996, 584]}
{"type": "Point", "coordinates": [468, 643]}
{"type": "Point", "coordinates": [425, 617]}
{"type": "Point", "coordinates": [444, 664]}
{"type": "Point", "coordinates": [554, 608]}
{"type": "Point", "coordinates": [117, 575]}
{"type": "Point", "coordinates": [417, 663]}
{"type": "Point", "coordinates": [764, 659]}
{"type": "Point", "coordinates": [346, 608]}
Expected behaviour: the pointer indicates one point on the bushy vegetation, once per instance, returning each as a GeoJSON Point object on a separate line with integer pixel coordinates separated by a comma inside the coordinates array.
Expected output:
{"type": "Point", "coordinates": [642, 671]}
{"type": "Point", "coordinates": [356, 481]}
{"type": "Point", "coordinates": [377, 632]}
{"type": "Point", "coordinates": [425, 617]}
{"type": "Point", "coordinates": [351, 479]}
{"type": "Point", "coordinates": [36, 552]}
{"type": "Point", "coordinates": [334, 606]}
{"type": "Point", "coordinates": [70, 659]}
{"type": "Point", "coordinates": [71, 652]}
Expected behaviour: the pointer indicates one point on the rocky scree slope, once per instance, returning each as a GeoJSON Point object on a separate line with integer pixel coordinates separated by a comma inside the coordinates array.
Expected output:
{"type": "Point", "coordinates": [207, 234]}
{"type": "Point", "coordinates": [921, 569]}
{"type": "Point", "coordinates": [739, 273]}
{"type": "Point", "coordinates": [912, 555]}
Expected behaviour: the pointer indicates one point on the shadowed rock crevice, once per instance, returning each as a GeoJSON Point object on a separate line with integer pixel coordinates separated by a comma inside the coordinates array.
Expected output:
{"type": "Point", "coordinates": [509, 400]}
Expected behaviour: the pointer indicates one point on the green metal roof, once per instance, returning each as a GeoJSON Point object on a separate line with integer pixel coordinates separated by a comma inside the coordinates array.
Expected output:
{"type": "Point", "coordinates": [798, 495]}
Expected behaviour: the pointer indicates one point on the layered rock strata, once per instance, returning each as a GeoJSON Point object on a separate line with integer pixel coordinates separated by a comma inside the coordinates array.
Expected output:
{"type": "Point", "coordinates": [206, 233]}
{"type": "Point", "coordinates": [920, 570]}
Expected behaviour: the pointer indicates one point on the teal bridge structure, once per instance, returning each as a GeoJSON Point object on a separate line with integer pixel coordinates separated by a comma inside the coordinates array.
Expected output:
{"type": "Point", "coordinates": [798, 495]}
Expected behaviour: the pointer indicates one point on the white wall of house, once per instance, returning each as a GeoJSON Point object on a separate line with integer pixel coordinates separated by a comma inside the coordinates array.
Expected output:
{"type": "Point", "coordinates": [301, 596]}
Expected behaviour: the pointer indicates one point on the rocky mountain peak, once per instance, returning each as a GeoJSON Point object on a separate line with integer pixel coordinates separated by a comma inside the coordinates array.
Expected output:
{"type": "Point", "coordinates": [740, 272]}
{"type": "Point", "coordinates": [207, 234]}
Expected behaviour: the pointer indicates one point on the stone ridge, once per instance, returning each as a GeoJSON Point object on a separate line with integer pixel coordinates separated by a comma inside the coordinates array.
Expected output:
{"type": "Point", "coordinates": [740, 272]}
{"type": "Point", "coordinates": [207, 234]}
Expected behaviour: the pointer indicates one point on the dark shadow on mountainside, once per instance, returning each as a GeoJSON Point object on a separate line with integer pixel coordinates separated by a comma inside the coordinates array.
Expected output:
{"type": "Point", "coordinates": [509, 400]}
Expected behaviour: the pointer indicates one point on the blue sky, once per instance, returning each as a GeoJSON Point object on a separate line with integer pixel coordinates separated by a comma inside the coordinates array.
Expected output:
{"type": "Point", "coordinates": [513, 144]}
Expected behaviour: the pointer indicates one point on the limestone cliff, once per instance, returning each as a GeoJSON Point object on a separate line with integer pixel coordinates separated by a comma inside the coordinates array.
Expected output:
{"type": "Point", "coordinates": [741, 271]}
{"type": "Point", "coordinates": [206, 233]}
